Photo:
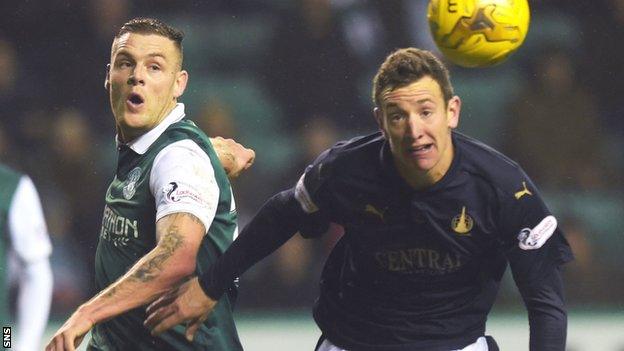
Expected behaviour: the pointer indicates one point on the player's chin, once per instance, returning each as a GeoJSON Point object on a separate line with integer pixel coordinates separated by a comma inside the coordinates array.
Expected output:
{"type": "Point", "coordinates": [421, 162]}
{"type": "Point", "coordinates": [133, 120]}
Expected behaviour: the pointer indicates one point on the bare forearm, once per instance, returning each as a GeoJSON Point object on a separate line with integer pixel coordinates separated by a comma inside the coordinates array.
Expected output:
{"type": "Point", "coordinates": [151, 276]}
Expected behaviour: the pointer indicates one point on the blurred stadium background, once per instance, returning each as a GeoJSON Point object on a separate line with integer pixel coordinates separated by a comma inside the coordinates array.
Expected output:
{"type": "Point", "coordinates": [289, 78]}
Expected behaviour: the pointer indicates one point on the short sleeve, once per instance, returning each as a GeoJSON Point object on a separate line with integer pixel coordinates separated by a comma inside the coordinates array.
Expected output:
{"type": "Point", "coordinates": [182, 180]}
{"type": "Point", "coordinates": [26, 223]}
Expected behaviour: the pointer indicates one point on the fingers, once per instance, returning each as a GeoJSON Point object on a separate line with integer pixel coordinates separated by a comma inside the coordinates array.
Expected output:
{"type": "Point", "coordinates": [166, 323]}
{"type": "Point", "coordinates": [61, 342]}
{"type": "Point", "coordinates": [234, 157]}
{"type": "Point", "coordinates": [68, 343]}
{"type": "Point", "coordinates": [160, 302]}
{"type": "Point", "coordinates": [191, 328]}
{"type": "Point", "coordinates": [78, 341]}
{"type": "Point", "coordinates": [156, 316]}
{"type": "Point", "coordinates": [252, 158]}
{"type": "Point", "coordinates": [58, 343]}
{"type": "Point", "coordinates": [244, 159]}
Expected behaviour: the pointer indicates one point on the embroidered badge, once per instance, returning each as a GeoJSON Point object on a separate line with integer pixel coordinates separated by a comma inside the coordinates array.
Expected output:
{"type": "Point", "coordinates": [130, 188]}
{"type": "Point", "coordinates": [462, 223]}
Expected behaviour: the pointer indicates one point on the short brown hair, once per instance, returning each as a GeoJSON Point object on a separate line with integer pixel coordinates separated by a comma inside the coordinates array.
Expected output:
{"type": "Point", "coordinates": [145, 25]}
{"type": "Point", "coordinates": [405, 66]}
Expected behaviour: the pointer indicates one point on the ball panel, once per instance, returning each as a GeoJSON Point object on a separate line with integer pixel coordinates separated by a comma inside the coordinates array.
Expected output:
{"type": "Point", "coordinates": [478, 33]}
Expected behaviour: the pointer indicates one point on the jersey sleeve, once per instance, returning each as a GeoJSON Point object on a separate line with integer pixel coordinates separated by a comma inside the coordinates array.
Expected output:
{"type": "Point", "coordinates": [26, 223]}
{"type": "Point", "coordinates": [312, 189]}
{"type": "Point", "coordinates": [312, 193]}
{"type": "Point", "coordinates": [182, 180]}
{"type": "Point", "coordinates": [529, 226]}
{"type": "Point", "coordinates": [536, 248]}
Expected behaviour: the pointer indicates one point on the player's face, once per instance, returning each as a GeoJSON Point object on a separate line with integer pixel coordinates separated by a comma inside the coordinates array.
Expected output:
{"type": "Point", "coordinates": [144, 82]}
{"type": "Point", "coordinates": [417, 123]}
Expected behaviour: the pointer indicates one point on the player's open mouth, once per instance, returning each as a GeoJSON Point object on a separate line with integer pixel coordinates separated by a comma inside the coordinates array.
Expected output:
{"type": "Point", "coordinates": [134, 101]}
{"type": "Point", "coordinates": [420, 150]}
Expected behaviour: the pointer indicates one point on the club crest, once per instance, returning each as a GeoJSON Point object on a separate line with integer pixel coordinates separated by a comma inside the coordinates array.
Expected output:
{"type": "Point", "coordinates": [462, 223]}
{"type": "Point", "coordinates": [130, 188]}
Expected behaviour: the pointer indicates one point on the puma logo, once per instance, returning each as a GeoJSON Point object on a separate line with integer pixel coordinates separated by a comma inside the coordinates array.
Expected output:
{"type": "Point", "coordinates": [372, 210]}
{"type": "Point", "coordinates": [523, 192]}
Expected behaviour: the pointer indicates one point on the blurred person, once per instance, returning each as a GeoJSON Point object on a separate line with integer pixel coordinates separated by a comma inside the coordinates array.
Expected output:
{"type": "Point", "coordinates": [590, 275]}
{"type": "Point", "coordinates": [15, 90]}
{"type": "Point", "coordinates": [8, 68]}
{"type": "Point", "coordinates": [106, 15]}
{"type": "Point", "coordinates": [8, 153]}
{"type": "Point", "coordinates": [24, 252]}
{"type": "Point", "coordinates": [604, 28]}
{"type": "Point", "coordinates": [555, 109]}
{"type": "Point", "coordinates": [216, 118]}
{"type": "Point", "coordinates": [169, 210]}
{"type": "Point", "coordinates": [432, 218]}
{"type": "Point", "coordinates": [294, 266]}
{"type": "Point", "coordinates": [310, 69]}
{"type": "Point", "coordinates": [73, 145]}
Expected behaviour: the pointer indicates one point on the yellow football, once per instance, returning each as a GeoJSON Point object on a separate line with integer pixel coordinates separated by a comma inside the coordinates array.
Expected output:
{"type": "Point", "coordinates": [478, 33]}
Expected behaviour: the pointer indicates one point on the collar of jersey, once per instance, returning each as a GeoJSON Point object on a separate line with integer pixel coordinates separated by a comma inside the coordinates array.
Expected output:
{"type": "Point", "coordinates": [142, 143]}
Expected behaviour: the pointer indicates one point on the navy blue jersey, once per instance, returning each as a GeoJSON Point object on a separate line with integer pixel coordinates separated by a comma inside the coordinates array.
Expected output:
{"type": "Point", "coordinates": [419, 270]}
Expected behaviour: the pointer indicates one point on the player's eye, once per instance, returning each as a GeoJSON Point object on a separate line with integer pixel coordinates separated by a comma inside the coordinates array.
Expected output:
{"type": "Point", "coordinates": [124, 64]}
{"type": "Point", "coordinates": [427, 113]}
{"type": "Point", "coordinates": [396, 117]}
{"type": "Point", "coordinates": [154, 67]}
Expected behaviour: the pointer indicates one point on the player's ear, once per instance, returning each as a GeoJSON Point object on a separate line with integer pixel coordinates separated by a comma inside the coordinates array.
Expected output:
{"type": "Point", "coordinates": [180, 83]}
{"type": "Point", "coordinates": [452, 111]}
{"type": "Point", "coordinates": [379, 118]}
{"type": "Point", "coordinates": [107, 79]}
{"type": "Point", "coordinates": [378, 113]}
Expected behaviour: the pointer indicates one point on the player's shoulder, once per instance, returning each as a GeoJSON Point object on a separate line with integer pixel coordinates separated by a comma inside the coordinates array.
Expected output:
{"type": "Point", "coordinates": [356, 152]}
{"type": "Point", "coordinates": [181, 151]}
{"type": "Point", "coordinates": [489, 164]}
{"type": "Point", "coordinates": [184, 129]}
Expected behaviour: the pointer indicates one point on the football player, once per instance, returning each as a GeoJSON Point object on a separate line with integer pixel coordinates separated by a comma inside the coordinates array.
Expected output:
{"type": "Point", "coordinates": [432, 218]}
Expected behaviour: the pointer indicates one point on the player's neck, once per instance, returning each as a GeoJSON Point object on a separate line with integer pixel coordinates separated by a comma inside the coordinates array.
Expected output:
{"type": "Point", "coordinates": [419, 179]}
{"type": "Point", "coordinates": [127, 134]}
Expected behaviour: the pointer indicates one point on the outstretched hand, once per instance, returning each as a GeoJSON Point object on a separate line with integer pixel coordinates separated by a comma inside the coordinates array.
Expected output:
{"type": "Point", "coordinates": [70, 335]}
{"type": "Point", "coordinates": [234, 157]}
{"type": "Point", "coordinates": [186, 303]}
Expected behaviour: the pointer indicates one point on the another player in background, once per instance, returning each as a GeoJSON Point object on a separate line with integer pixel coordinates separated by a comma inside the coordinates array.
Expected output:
{"type": "Point", "coordinates": [169, 210]}
{"type": "Point", "coordinates": [432, 218]}
{"type": "Point", "coordinates": [25, 248]}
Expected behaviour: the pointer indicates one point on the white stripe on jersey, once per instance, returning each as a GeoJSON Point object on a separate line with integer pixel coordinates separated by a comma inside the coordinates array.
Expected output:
{"type": "Point", "coordinates": [304, 198]}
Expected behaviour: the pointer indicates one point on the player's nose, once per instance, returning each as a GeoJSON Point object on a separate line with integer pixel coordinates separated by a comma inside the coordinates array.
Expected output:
{"type": "Point", "coordinates": [414, 128]}
{"type": "Point", "coordinates": [137, 76]}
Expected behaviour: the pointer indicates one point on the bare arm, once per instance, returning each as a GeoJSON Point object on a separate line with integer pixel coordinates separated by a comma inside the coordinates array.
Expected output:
{"type": "Point", "coordinates": [179, 236]}
{"type": "Point", "coordinates": [276, 222]}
